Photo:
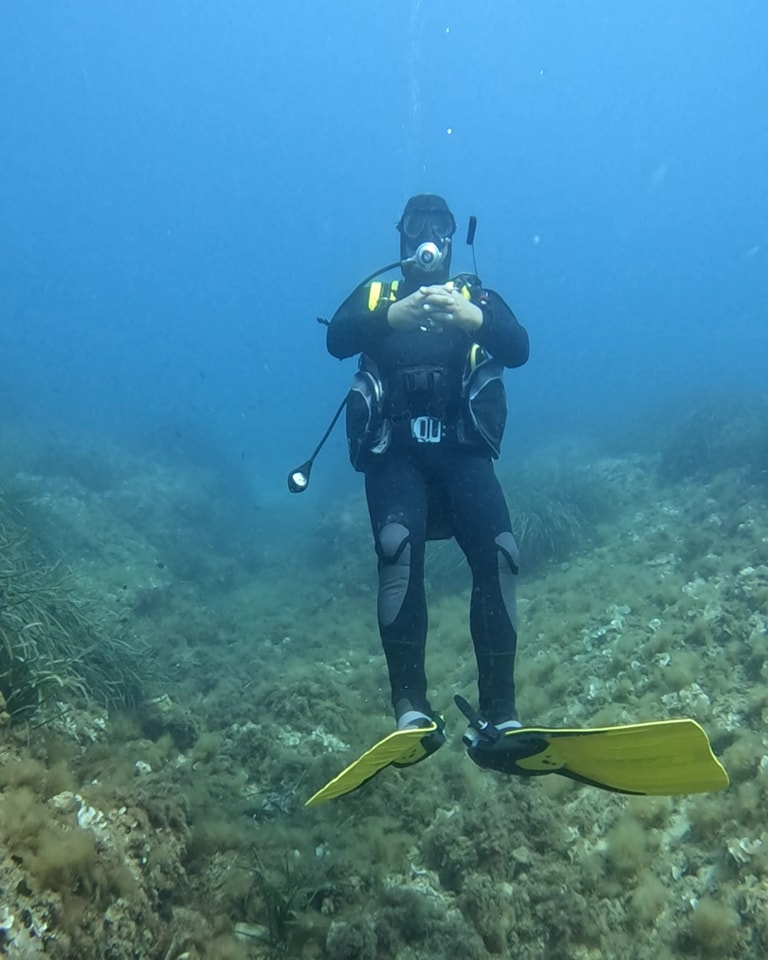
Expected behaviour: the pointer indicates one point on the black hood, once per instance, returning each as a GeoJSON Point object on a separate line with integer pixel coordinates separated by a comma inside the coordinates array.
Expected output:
{"type": "Point", "coordinates": [426, 219]}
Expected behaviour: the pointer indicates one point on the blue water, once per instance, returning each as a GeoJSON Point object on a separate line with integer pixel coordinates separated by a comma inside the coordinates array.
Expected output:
{"type": "Point", "coordinates": [185, 186]}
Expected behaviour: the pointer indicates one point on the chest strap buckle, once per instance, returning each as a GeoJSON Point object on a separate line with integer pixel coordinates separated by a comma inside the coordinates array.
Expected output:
{"type": "Point", "coordinates": [427, 429]}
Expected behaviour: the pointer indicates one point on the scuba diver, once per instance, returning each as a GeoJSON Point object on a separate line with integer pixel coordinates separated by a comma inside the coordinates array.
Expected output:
{"type": "Point", "coordinates": [425, 416]}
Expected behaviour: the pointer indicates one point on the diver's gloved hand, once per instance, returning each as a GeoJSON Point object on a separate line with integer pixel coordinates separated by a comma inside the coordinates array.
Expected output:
{"type": "Point", "coordinates": [451, 307]}
{"type": "Point", "coordinates": [439, 304]}
{"type": "Point", "coordinates": [409, 313]}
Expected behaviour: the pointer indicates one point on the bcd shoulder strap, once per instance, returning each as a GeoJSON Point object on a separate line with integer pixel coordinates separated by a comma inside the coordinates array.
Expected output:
{"type": "Point", "coordinates": [381, 293]}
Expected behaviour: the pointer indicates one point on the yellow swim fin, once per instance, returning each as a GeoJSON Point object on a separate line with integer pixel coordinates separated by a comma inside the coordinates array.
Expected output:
{"type": "Point", "coordinates": [402, 748]}
{"type": "Point", "coordinates": [662, 758]}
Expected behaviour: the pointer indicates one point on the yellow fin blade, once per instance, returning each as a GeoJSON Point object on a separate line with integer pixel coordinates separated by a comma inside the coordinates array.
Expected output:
{"type": "Point", "coordinates": [662, 758]}
{"type": "Point", "coordinates": [401, 746]}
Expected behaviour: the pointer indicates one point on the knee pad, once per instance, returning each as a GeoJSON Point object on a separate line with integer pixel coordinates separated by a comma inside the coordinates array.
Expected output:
{"type": "Point", "coordinates": [392, 540]}
{"type": "Point", "coordinates": [508, 552]}
{"type": "Point", "coordinates": [508, 560]}
{"type": "Point", "coordinates": [394, 550]}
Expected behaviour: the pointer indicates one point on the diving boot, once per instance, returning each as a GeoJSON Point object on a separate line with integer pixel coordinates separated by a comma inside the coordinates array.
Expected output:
{"type": "Point", "coordinates": [411, 718]}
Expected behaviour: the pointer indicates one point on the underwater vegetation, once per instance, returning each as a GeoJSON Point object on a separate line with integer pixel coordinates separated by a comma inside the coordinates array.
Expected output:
{"type": "Point", "coordinates": [52, 645]}
{"type": "Point", "coordinates": [717, 434]}
{"type": "Point", "coordinates": [164, 819]}
{"type": "Point", "coordinates": [555, 510]}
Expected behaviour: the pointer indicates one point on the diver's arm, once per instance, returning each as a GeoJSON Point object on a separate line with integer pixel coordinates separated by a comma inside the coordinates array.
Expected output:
{"type": "Point", "coordinates": [354, 328]}
{"type": "Point", "coordinates": [500, 334]}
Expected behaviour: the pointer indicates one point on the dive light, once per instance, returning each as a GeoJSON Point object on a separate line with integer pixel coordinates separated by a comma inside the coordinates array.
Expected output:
{"type": "Point", "coordinates": [298, 478]}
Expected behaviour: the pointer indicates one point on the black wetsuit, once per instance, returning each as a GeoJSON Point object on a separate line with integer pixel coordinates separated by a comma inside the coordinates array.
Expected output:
{"type": "Point", "coordinates": [421, 490]}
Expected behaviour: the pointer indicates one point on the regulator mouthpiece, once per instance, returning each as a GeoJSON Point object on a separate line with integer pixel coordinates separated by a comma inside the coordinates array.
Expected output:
{"type": "Point", "coordinates": [428, 257]}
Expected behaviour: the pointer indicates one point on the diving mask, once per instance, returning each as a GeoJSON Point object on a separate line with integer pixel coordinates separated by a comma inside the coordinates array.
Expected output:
{"type": "Point", "coordinates": [420, 224]}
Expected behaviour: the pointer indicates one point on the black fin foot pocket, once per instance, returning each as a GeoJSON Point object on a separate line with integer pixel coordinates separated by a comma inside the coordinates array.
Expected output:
{"type": "Point", "coordinates": [430, 743]}
{"type": "Point", "coordinates": [506, 754]}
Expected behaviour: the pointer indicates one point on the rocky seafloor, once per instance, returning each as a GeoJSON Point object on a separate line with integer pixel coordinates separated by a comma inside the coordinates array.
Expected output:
{"type": "Point", "coordinates": [152, 805]}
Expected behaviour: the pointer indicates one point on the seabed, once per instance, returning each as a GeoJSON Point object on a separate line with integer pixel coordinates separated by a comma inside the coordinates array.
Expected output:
{"type": "Point", "coordinates": [177, 678]}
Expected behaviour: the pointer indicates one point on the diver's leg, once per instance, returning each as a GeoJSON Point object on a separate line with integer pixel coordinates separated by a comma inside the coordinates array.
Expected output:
{"type": "Point", "coordinates": [483, 531]}
{"type": "Point", "coordinates": [397, 504]}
